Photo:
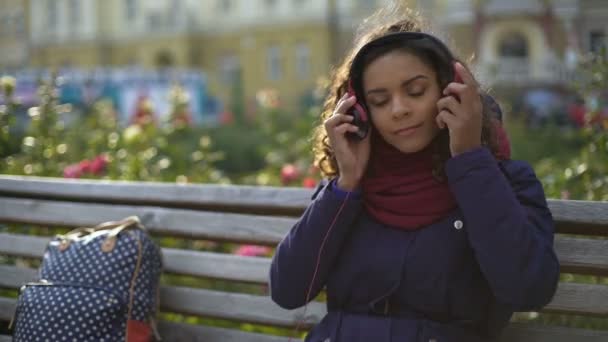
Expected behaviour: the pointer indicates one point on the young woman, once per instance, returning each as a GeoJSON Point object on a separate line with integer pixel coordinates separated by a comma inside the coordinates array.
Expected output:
{"type": "Point", "coordinates": [427, 230]}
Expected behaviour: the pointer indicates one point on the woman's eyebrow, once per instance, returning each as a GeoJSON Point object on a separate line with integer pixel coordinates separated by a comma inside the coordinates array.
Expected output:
{"type": "Point", "coordinates": [405, 83]}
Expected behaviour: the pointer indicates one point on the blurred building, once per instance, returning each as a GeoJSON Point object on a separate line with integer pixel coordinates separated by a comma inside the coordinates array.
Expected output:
{"type": "Point", "coordinates": [522, 42]}
{"type": "Point", "coordinates": [245, 46]}
{"type": "Point", "coordinates": [14, 19]}
{"type": "Point", "coordinates": [251, 45]}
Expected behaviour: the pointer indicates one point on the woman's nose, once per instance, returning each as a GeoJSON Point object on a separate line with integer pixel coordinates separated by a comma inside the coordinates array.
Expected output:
{"type": "Point", "coordinates": [400, 107]}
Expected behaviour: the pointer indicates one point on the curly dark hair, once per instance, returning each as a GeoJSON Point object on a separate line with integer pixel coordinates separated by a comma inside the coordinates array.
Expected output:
{"type": "Point", "coordinates": [384, 22]}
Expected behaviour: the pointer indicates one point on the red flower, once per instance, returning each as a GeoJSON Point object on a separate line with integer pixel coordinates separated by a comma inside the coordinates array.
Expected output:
{"type": "Point", "coordinates": [309, 183]}
{"type": "Point", "coordinates": [99, 164]}
{"type": "Point", "coordinates": [289, 173]}
{"type": "Point", "coordinates": [85, 166]}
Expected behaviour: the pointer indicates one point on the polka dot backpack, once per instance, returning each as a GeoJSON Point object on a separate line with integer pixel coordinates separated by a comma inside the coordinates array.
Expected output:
{"type": "Point", "coordinates": [96, 284]}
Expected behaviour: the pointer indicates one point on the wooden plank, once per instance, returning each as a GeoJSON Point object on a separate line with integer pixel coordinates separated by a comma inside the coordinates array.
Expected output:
{"type": "Point", "coordinates": [23, 245]}
{"type": "Point", "coordinates": [181, 332]}
{"type": "Point", "coordinates": [237, 307]}
{"type": "Point", "coordinates": [576, 255]}
{"type": "Point", "coordinates": [583, 256]}
{"type": "Point", "coordinates": [201, 302]}
{"type": "Point", "coordinates": [524, 332]}
{"type": "Point", "coordinates": [176, 261]}
{"type": "Point", "coordinates": [7, 308]}
{"type": "Point", "coordinates": [580, 217]}
{"type": "Point", "coordinates": [216, 265]}
{"type": "Point", "coordinates": [163, 221]}
{"type": "Point", "coordinates": [575, 217]}
{"type": "Point", "coordinates": [584, 299]}
{"type": "Point", "coordinates": [529, 332]}
{"type": "Point", "coordinates": [274, 200]}
{"type": "Point", "coordinates": [13, 277]}
{"type": "Point", "coordinates": [175, 332]}
{"type": "Point", "coordinates": [571, 298]}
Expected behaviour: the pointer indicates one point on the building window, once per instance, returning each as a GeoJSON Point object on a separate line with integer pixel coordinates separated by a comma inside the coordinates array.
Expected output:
{"type": "Point", "coordinates": [74, 12]}
{"type": "Point", "coordinates": [52, 13]}
{"type": "Point", "coordinates": [597, 42]}
{"type": "Point", "coordinates": [229, 67]}
{"type": "Point", "coordinates": [365, 4]}
{"type": "Point", "coordinates": [273, 63]}
{"type": "Point", "coordinates": [303, 61]}
{"type": "Point", "coordinates": [176, 13]}
{"type": "Point", "coordinates": [155, 21]}
{"type": "Point", "coordinates": [225, 5]}
{"type": "Point", "coordinates": [4, 25]}
{"type": "Point", "coordinates": [20, 24]}
{"type": "Point", "coordinates": [514, 45]}
{"type": "Point", "coordinates": [131, 9]}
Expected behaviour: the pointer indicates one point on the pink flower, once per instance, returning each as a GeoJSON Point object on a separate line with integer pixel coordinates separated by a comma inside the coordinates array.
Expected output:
{"type": "Point", "coordinates": [252, 250]}
{"type": "Point", "coordinates": [72, 171]}
{"type": "Point", "coordinates": [99, 164]}
{"type": "Point", "coordinates": [289, 173]}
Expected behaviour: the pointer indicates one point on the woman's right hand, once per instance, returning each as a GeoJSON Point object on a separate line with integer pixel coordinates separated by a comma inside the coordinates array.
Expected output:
{"type": "Point", "coordinates": [351, 155]}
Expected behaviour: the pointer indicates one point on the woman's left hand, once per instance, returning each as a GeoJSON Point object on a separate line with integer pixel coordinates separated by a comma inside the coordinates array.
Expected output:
{"type": "Point", "coordinates": [460, 109]}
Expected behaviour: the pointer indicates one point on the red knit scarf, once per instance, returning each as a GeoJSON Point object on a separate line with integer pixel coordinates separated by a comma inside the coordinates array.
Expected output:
{"type": "Point", "coordinates": [399, 189]}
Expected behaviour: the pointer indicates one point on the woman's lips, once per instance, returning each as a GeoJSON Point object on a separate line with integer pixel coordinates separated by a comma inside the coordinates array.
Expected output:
{"type": "Point", "coordinates": [407, 130]}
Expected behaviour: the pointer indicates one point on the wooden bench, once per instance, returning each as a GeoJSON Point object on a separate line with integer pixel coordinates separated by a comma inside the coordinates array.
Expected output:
{"type": "Point", "coordinates": [255, 215]}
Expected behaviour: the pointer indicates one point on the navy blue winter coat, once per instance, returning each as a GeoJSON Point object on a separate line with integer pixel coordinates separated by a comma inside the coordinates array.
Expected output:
{"type": "Point", "coordinates": [459, 279]}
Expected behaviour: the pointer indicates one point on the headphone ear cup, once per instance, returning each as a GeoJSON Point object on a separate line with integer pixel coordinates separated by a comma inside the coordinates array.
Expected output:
{"type": "Point", "coordinates": [361, 120]}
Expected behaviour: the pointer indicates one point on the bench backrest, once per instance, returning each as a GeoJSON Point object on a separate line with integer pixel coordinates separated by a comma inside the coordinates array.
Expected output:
{"type": "Point", "coordinates": [254, 215]}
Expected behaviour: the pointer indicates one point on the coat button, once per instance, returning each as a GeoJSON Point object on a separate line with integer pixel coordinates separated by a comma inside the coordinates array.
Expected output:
{"type": "Point", "coordinates": [458, 224]}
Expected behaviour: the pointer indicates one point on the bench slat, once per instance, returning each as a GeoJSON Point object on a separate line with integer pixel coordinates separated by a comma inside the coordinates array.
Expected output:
{"type": "Point", "coordinates": [4, 338]}
{"type": "Point", "coordinates": [580, 217]}
{"type": "Point", "coordinates": [575, 217]}
{"type": "Point", "coordinates": [171, 331]}
{"type": "Point", "coordinates": [530, 332]}
{"type": "Point", "coordinates": [236, 307]}
{"type": "Point", "coordinates": [583, 256]}
{"type": "Point", "coordinates": [277, 200]}
{"type": "Point", "coordinates": [175, 222]}
{"type": "Point", "coordinates": [215, 265]}
{"type": "Point", "coordinates": [7, 308]}
{"type": "Point", "coordinates": [176, 261]}
{"type": "Point", "coordinates": [201, 302]}
{"type": "Point", "coordinates": [570, 298]}
{"type": "Point", "coordinates": [575, 298]}
{"type": "Point", "coordinates": [181, 332]}
{"type": "Point", "coordinates": [164, 221]}
{"type": "Point", "coordinates": [515, 332]}
{"type": "Point", "coordinates": [576, 255]}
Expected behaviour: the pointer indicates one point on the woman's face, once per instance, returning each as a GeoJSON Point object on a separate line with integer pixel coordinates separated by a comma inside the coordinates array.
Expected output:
{"type": "Point", "coordinates": [401, 93]}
